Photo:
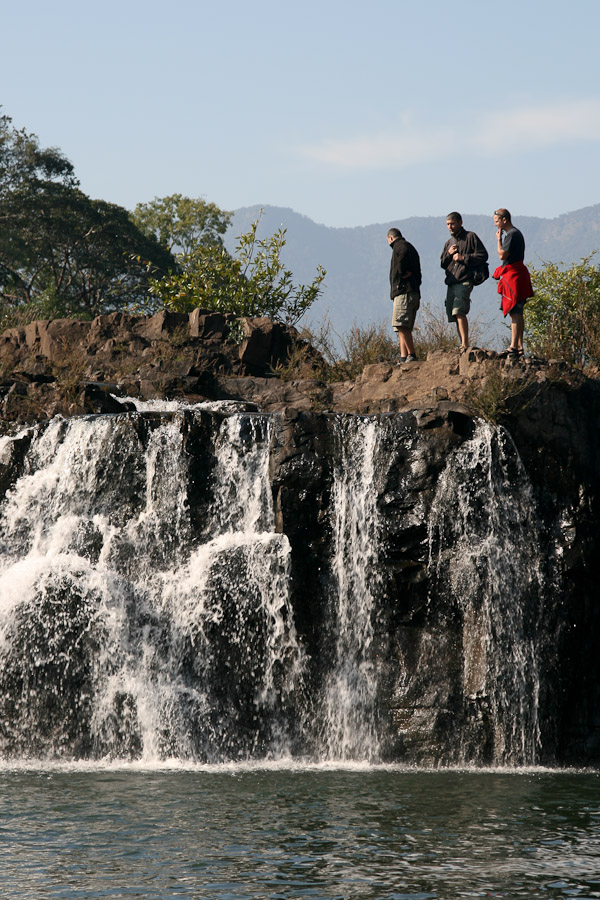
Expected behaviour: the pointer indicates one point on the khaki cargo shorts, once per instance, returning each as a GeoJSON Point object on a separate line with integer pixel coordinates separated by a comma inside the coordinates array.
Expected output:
{"type": "Point", "coordinates": [405, 310]}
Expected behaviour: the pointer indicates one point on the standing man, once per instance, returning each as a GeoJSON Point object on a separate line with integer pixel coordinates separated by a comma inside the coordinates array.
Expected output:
{"type": "Point", "coordinates": [405, 281]}
{"type": "Point", "coordinates": [463, 253]}
{"type": "Point", "coordinates": [514, 282]}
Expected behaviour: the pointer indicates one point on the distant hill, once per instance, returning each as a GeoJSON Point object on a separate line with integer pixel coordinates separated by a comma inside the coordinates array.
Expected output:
{"type": "Point", "coordinates": [357, 259]}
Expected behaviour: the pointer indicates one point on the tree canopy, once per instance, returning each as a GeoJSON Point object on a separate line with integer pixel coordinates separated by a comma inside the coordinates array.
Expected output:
{"type": "Point", "coordinates": [182, 224]}
{"type": "Point", "coordinates": [60, 251]}
{"type": "Point", "coordinates": [65, 254]}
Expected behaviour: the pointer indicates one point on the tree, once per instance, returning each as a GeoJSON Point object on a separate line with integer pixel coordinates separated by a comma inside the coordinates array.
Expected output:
{"type": "Point", "coordinates": [181, 224]}
{"type": "Point", "coordinates": [252, 282]}
{"type": "Point", "coordinates": [61, 252]}
{"type": "Point", "coordinates": [23, 161]}
{"type": "Point", "coordinates": [563, 318]}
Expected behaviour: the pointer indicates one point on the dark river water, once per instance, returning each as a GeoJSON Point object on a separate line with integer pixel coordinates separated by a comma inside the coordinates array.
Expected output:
{"type": "Point", "coordinates": [276, 832]}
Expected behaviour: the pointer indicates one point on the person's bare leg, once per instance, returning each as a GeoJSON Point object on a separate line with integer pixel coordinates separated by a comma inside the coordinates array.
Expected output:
{"type": "Point", "coordinates": [407, 348]}
{"type": "Point", "coordinates": [517, 329]}
{"type": "Point", "coordinates": [401, 344]}
{"type": "Point", "coordinates": [462, 326]}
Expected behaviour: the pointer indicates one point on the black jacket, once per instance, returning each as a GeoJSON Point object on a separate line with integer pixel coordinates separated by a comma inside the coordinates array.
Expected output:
{"type": "Point", "coordinates": [471, 247]}
{"type": "Point", "coordinates": [405, 271]}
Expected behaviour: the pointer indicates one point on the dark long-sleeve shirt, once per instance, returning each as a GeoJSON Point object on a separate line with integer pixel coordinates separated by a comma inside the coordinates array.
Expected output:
{"type": "Point", "coordinates": [405, 270]}
{"type": "Point", "coordinates": [469, 245]}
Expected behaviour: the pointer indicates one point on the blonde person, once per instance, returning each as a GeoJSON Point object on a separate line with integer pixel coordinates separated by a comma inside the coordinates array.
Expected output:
{"type": "Point", "coordinates": [514, 283]}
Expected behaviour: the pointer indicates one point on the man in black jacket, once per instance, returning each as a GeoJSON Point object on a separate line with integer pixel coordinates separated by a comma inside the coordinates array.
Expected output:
{"type": "Point", "coordinates": [405, 281]}
{"type": "Point", "coordinates": [463, 252]}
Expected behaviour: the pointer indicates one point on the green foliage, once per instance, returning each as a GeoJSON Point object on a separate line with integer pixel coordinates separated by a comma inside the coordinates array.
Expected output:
{"type": "Point", "coordinates": [252, 282]}
{"type": "Point", "coordinates": [182, 224]}
{"type": "Point", "coordinates": [23, 161]}
{"type": "Point", "coordinates": [563, 318]}
{"type": "Point", "coordinates": [60, 251]}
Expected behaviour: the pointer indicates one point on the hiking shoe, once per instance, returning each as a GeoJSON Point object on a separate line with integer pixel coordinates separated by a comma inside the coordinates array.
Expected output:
{"type": "Point", "coordinates": [401, 359]}
{"type": "Point", "coordinates": [411, 358]}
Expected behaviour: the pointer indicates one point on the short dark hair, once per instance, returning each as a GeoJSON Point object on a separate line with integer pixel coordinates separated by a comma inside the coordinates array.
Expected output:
{"type": "Point", "coordinates": [455, 216]}
{"type": "Point", "coordinates": [503, 214]}
{"type": "Point", "coordinates": [394, 232]}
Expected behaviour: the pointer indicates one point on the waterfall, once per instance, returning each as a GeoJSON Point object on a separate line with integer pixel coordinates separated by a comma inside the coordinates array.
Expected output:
{"type": "Point", "coordinates": [152, 603]}
{"type": "Point", "coordinates": [486, 554]}
{"type": "Point", "coordinates": [349, 712]}
{"type": "Point", "coordinates": [121, 632]}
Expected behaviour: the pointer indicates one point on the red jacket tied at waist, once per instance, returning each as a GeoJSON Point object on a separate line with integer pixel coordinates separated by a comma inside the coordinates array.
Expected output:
{"type": "Point", "coordinates": [514, 284]}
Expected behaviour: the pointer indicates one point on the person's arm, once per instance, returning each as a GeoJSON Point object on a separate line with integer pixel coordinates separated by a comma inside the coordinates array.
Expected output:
{"type": "Point", "coordinates": [446, 257]}
{"type": "Point", "coordinates": [475, 253]}
{"type": "Point", "coordinates": [503, 247]}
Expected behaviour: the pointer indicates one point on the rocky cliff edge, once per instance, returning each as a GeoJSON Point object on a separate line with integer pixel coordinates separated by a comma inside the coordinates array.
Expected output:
{"type": "Point", "coordinates": [70, 367]}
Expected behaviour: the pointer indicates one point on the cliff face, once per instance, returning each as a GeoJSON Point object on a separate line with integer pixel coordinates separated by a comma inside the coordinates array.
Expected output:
{"type": "Point", "coordinates": [481, 564]}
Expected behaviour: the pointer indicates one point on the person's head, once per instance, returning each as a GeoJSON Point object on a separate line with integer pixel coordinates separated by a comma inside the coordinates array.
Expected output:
{"type": "Point", "coordinates": [454, 222]}
{"type": "Point", "coordinates": [393, 235]}
{"type": "Point", "coordinates": [502, 218]}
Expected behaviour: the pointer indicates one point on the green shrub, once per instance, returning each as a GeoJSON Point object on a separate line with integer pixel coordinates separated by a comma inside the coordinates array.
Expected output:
{"type": "Point", "coordinates": [562, 321]}
{"type": "Point", "coordinates": [252, 282]}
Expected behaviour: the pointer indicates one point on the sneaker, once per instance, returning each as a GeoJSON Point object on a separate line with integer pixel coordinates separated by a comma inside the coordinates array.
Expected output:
{"type": "Point", "coordinates": [401, 359]}
{"type": "Point", "coordinates": [411, 358]}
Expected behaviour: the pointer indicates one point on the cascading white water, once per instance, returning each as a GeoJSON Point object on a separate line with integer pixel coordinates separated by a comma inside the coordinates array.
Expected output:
{"type": "Point", "coordinates": [349, 707]}
{"type": "Point", "coordinates": [156, 645]}
{"type": "Point", "coordinates": [243, 500]}
{"type": "Point", "coordinates": [145, 606]}
{"type": "Point", "coordinates": [486, 551]}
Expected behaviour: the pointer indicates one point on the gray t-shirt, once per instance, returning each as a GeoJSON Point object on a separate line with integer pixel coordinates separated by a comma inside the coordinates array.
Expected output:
{"type": "Point", "coordinates": [514, 242]}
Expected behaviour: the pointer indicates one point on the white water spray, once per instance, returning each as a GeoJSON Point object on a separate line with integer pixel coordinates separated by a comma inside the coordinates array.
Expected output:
{"type": "Point", "coordinates": [177, 649]}
{"type": "Point", "coordinates": [485, 547]}
{"type": "Point", "coordinates": [349, 709]}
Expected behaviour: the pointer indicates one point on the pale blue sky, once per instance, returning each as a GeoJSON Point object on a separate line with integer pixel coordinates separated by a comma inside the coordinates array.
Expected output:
{"type": "Point", "coordinates": [349, 113]}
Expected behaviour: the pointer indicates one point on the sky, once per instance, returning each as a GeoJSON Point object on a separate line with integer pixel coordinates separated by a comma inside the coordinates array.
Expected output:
{"type": "Point", "coordinates": [349, 113]}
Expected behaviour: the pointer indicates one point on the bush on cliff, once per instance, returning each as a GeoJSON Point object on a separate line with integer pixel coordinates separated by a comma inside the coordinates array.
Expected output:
{"type": "Point", "coordinates": [252, 282]}
{"type": "Point", "coordinates": [563, 318]}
